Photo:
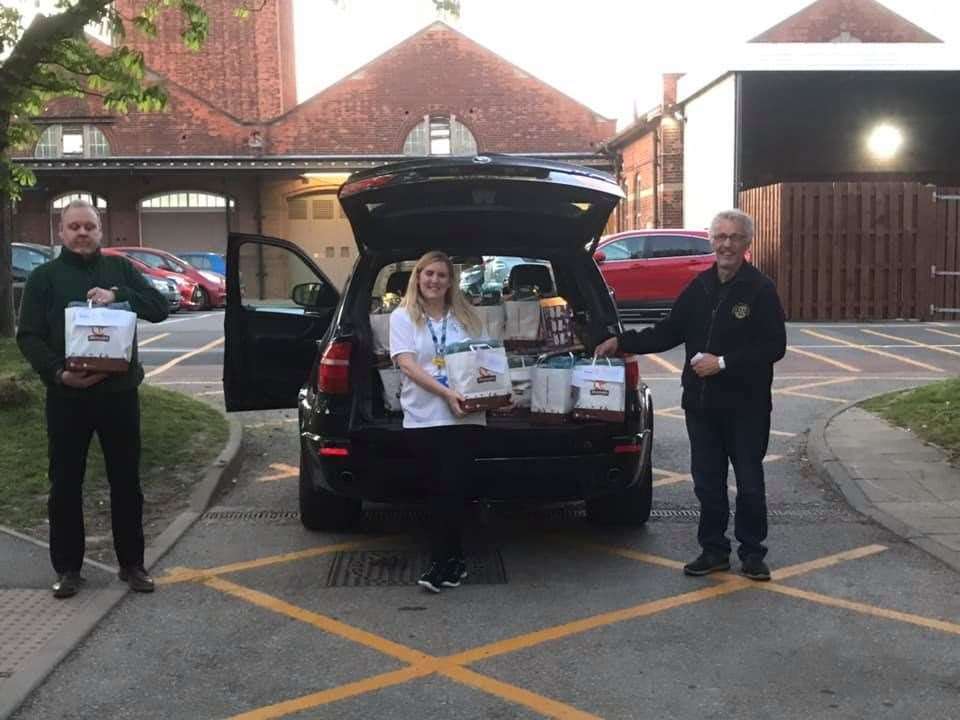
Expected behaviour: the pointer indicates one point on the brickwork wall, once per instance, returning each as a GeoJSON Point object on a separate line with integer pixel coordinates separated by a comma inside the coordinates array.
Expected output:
{"type": "Point", "coordinates": [863, 20]}
{"type": "Point", "coordinates": [439, 71]}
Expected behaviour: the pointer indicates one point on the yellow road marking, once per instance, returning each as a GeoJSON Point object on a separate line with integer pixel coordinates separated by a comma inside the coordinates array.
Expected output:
{"type": "Point", "coordinates": [537, 703]}
{"type": "Point", "coordinates": [558, 632]}
{"type": "Point", "coordinates": [883, 353]}
{"type": "Point", "coordinates": [827, 561]}
{"type": "Point", "coordinates": [149, 340]}
{"type": "Point", "coordinates": [179, 359]}
{"type": "Point", "coordinates": [811, 385]}
{"type": "Point", "coordinates": [823, 358]}
{"type": "Point", "coordinates": [180, 575]}
{"type": "Point", "coordinates": [943, 332]}
{"type": "Point", "coordinates": [663, 363]}
{"type": "Point", "coordinates": [919, 620]}
{"type": "Point", "coordinates": [675, 478]}
{"type": "Point", "coordinates": [361, 687]}
{"type": "Point", "coordinates": [283, 471]}
{"type": "Point", "coordinates": [625, 552]}
{"type": "Point", "coordinates": [327, 624]}
{"type": "Point", "coordinates": [935, 348]}
{"type": "Point", "coordinates": [812, 396]}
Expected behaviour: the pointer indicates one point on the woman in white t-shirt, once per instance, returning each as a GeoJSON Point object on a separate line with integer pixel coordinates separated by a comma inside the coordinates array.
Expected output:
{"type": "Point", "coordinates": [435, 314]}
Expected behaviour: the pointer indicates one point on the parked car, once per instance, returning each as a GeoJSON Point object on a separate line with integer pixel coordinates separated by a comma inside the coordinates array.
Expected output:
{"type": "Point", "coordinates": [190, 294]}
{"type": "Point", "coordinates": [25, 258]}
{"type": "Point", "coordinates": [213, 288]}
{"type": "Point", "coordinates": [302, 344]}
{"type": "Point", "coordinates": [214, 262]}
{"type": "Point", "coordinates": [648, 269]}
{"type": "Point", "coordinates": [166, 287]}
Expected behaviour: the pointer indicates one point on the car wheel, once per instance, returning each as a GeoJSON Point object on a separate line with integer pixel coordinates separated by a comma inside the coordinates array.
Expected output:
{"type": "Point", "coordinates": [204, 300]}
{"type": "Point", "coordinates": [629, 507]}
{"type": "Point", "coordinates": [322, 510]}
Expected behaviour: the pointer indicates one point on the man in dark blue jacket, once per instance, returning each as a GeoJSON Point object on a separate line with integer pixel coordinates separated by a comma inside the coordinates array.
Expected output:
{"type": "Point", "coordinates": [732, 324]}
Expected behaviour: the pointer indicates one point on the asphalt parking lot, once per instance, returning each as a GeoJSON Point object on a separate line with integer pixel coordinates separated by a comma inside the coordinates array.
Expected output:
{"type": "Point", "coordinates": [256, 617]}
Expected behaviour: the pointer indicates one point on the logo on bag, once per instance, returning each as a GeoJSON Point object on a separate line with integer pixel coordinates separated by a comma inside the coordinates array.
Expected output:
{"type": "Point", "coordinates": [600, 388]}
{"type": "Point", "coordinates": [98, 334]}
{"type": "Point", "coordinates": [485, 376]}
{"type": "Point", "coordinates": [741, 311]}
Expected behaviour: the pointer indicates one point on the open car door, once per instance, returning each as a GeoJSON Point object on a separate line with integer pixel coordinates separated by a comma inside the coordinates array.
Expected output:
{"type": "Point", "coordinates": [279, 304]}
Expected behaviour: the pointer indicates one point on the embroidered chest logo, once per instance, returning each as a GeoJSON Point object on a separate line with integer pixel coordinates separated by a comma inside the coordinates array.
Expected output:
{"type": "Point", "coordinates": [741, 311]}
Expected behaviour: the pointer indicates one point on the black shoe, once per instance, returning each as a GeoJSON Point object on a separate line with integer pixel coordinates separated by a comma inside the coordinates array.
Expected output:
{"type": "Point", "coordinates": [454, 570]}
{"type": "Point", "coordinates": [754, 568]}
{"type": "Point", "coordinates": [707, 563]}
{"type": "Point", "coordinates": [432, 579]}
{"type": "Point", "coordinates": [137, 578]}
{"type": "Point", "coordinates": [67, 585]}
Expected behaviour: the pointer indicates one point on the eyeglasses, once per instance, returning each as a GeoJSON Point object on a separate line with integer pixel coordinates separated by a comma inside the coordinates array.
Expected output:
{"type": "Point", "coordinates": [736, 238]}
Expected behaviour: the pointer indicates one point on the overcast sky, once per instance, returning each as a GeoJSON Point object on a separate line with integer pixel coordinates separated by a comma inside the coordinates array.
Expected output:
{"type": "Point", "coordinates": [608, 54]}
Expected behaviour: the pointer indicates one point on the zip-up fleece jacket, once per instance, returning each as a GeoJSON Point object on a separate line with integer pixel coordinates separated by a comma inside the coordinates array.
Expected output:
{"type": "Point", "coordinates": [68, 278]}
{"type": "Point", "coordinates": [741, 320]}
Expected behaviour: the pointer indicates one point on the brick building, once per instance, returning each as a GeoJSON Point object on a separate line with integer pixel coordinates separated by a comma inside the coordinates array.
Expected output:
{"type": "Point", "coordinates": [233, 151]}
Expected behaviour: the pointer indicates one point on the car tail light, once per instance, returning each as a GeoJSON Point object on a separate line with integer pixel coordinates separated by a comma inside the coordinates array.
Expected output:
{"type": "Point", "coordinates": [333, 374]}
{"type": "Point", "coordinates": [330, 451]}
{"type": "Point", "coordinates": [632, 370]}
{"type": "Point", "coordinates": [632, 449]}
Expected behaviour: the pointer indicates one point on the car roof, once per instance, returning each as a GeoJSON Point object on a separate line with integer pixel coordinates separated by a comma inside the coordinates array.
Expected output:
{"type": "Point", "coordinates": [655, 231]}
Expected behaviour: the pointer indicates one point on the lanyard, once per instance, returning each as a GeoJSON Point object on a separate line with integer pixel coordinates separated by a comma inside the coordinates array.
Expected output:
{"type": "Point", "coordinates": [439, 347]}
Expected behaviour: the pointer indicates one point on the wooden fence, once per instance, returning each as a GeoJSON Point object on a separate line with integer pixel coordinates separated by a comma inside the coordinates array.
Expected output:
{"type": "Point", "coordinates": [857, 251]}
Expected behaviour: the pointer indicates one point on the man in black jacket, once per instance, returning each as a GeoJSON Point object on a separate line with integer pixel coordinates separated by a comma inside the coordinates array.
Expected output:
{"type": "Point", "coordinates": [732, 323]}
{"type": "Point", "coordinates": [79, 404]}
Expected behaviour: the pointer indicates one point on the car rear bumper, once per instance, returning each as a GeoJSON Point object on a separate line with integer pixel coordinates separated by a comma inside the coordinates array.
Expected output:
{"type": "Point", "coordinates": [386, 478]}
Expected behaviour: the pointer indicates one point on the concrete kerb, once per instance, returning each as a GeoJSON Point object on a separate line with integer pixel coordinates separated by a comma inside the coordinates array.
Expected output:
{"type": "Point", "coordinates": [32, 673]}
{"type": "Point", "coordinates": [833, 470]}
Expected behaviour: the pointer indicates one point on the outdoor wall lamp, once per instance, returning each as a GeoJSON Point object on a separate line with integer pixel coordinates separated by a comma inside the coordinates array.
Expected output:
{"type": "Point", "coordinates": [885, 141]}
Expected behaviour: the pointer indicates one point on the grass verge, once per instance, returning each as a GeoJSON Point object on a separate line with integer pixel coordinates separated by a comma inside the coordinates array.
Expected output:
{"type": "Point", "coordinates": [180, 438]}
{"type": "Point", "coordinates": [931, 411]}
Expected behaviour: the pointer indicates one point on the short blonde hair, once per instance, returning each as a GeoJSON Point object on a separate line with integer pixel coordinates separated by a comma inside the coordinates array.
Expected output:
{"type": "Point", "coordinates": [454, 299]}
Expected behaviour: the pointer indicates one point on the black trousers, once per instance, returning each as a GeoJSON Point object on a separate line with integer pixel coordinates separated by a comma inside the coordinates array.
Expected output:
{"type": "Point", "coordinates": [719, 438]}
{"type": "Point", "coordinates": [444, 457]}
{"type": "Point", "coordinates": [71, 422]}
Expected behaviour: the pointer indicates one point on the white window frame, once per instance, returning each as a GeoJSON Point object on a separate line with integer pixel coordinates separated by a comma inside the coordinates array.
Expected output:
{"type": "Point", "coordinates": [94, 142]}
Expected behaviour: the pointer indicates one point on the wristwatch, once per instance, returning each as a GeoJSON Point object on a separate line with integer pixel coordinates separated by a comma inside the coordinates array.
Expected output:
{"type": "Point", "coordinates": [723, 365]}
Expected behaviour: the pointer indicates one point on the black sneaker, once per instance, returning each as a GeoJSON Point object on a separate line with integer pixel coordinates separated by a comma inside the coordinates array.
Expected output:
{"type": "Point", "coordinates": [137, 578]}
{"type": "Point", "coordinates": [432, 579]}
{"type": "Point", "coordinates": [707, 563]}
{"type": "Point", "coordinates": [454, 570]}
{"type": "Point", "coordinates": [754, 568]}
{"type": "Point", "coordinates": [67, 585]}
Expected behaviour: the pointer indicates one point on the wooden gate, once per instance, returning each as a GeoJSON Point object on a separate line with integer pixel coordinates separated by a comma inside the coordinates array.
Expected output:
{"type": "Point", "coordinates": [850, 251]}
{"type": "Point", "coordinates": [945, 267]}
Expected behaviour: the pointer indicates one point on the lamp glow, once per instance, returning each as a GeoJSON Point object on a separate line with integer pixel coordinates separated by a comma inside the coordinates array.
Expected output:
{"type": "Point", "coordinates": [885, 142]}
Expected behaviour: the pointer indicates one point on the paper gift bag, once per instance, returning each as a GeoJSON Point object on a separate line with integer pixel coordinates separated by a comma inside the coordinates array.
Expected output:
{"type": "Point", "coordinates": [556, 327]}
{"type": "Point", "coordinates": [599, 390]}
{"type": "Point", "coordinates": [493, 318]}
{"type": "Point", "coordinates": [392, 380]}
{"type": "Point", "coordinates": [380, 325]}
{"type": "Point", "coordinates": [521, 380]}
{"type": "Point", "coordinates": [479, 372]}
{"type": "Point", "coordinates": [522, 329]}
{"type": "Point", "coordinates": [99, 339]}
{"type": "Point", "coordinates": [552, 399]}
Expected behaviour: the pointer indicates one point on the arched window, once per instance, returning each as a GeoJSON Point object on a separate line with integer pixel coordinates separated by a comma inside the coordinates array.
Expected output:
{"type": "Point", "coordinates": [86, 141]}
{"type": "Point", "coordinates": [186, 201]}
{"type": "Point", "coordinates": [440, 135]}
{"type": "Point", "coordinates": [61, 202]}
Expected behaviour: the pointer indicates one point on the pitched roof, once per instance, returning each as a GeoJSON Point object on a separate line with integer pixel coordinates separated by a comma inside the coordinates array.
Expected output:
{"type": "Point", "coordinates": [865, 21]}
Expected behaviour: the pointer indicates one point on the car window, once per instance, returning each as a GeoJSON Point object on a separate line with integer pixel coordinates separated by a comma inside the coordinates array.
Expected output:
{"type": "Point", "coordinates": [27, 259]}
{"type": "Point", "coordinates": [661, 246]}
{"type": "Point", "coordinates": [154, 261]}
{"type": "Point", "coordinates": [174, 264]}
{"type": "Point", "coordinates": [275, 272]}
{"type": "Point", "coordinates": [630, 248]}
{"type": "Point", "coordinates": [200, 261]}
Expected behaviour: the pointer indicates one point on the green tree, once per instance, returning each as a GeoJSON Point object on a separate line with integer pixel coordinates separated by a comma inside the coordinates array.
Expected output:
{"type": "Point", "coordinates": [52, 58]}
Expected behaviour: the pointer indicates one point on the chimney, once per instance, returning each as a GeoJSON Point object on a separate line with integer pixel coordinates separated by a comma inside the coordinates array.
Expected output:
{"type": "Point", "coordinates": [670, 88]}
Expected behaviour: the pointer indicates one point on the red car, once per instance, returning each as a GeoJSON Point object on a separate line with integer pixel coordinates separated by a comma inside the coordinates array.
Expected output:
{"type": "Point", "coordinates": [213, 286]}
{"type": "Point", "coordinates": [648, 269]}
{"type": "Point", "coordinates": [191, 295]}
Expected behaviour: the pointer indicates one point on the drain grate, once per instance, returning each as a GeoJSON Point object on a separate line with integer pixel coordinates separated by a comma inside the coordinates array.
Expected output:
{"type": "Point", "coordinates": [382, 568]}
{"type": "Point", "coordinates": [271, 516]}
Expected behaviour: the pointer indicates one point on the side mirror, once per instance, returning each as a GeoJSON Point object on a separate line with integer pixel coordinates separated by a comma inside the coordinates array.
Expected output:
{"type": "Point", "coordinates": [599, 256]}
{"type": "Point", "coordinates": [306, 294]}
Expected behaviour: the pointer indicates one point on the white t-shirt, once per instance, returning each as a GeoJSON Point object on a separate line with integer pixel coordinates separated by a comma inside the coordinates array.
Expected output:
{"type": "Point", "coordinates": [421, 408]}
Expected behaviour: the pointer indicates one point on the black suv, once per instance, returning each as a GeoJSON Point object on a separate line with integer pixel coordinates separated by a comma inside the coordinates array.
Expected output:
{"type": "Point", "coordinates": [293, 340]}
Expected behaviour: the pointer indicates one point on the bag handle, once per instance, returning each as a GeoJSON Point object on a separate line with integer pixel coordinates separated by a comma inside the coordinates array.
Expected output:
{"type": "Point", "coordinates": [481, 346]}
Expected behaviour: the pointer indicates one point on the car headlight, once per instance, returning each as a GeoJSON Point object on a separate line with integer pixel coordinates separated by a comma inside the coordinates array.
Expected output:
{"type": "Point", "coordinates": [212, 277]}
{"type": "Point", "coordinates": [158, 284]}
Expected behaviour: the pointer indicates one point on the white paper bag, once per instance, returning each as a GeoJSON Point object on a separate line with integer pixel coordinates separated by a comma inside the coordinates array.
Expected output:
{"type": "Point", "coordinates": [522, 320]}
{"type": "Point", "coordinates": [481, 375]}
{"type": "Point", "coordinates": [99, 339]}
{"type": "Point", "coordinates": [493, 318]}
{"type": "Point", "coordinates": [392, 379]}
{"type": "Point", "coordinates": [599, 390]}
{"type": "Point", "coordinates": [552, 398]}
{"type": "Point", "coordinates": [380, 325]}
{"type": "Point", "coordinates": [521, 382]}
